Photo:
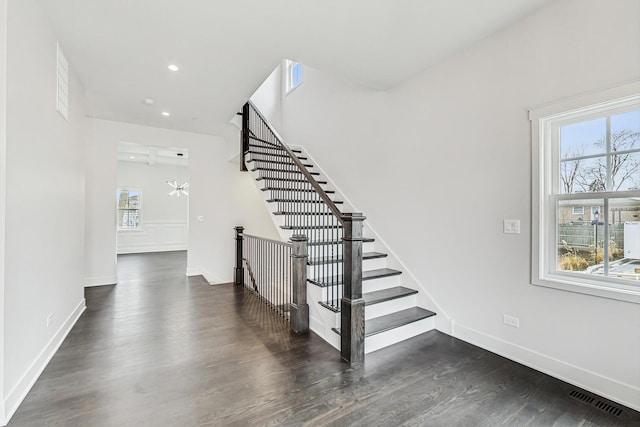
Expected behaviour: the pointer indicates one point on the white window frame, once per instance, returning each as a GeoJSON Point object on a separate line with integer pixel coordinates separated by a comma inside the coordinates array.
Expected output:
{"type": "Point", "coordinates": [139, 191]}
{"type": "Point", "coordinates": [289, 83]}
{"type": "Point", "coordinates": [577, 210]}
{"type": "Point", "coordinates": [544, 125]}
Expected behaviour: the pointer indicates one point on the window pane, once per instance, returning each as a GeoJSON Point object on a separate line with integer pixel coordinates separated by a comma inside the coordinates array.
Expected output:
{"type": "Point", "coordinates": [583, 138]}
{"type": "Point", "coordinates": [628, 122]}
{"type": "Point", "coordinates": [583, 176]}
{"type": "Point", "coordinates": [625, 172]}
{"type": "Point", "coordinates": [577, 237]}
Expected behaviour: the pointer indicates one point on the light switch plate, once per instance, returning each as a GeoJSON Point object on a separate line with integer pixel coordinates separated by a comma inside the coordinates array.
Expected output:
{"type": "Point", "coordinates": [511, 226]}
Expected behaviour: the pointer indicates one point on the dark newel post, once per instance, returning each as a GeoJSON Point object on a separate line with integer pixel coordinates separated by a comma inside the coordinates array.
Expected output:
{"type": "Point", "coordinates": [244, 137]}
{"type": "Point", "coordinates": [239, 276]}
{"type": "Point", "coordinates": [299, 314]}
{"type": "Point", "coordinates": [352, 304]}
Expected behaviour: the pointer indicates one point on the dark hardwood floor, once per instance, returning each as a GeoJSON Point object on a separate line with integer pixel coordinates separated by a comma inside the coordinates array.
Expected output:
{"type": "Point", "coordinates": [161, 349]}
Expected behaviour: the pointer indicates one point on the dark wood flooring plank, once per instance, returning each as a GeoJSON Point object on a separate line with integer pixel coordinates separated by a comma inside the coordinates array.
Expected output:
{"type": "Point", "coordinates": [161, 349]}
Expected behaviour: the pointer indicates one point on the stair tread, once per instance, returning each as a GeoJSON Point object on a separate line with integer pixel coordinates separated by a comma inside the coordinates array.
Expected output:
{"type": "Point", "coordinates": [303, 213]}
{"type": "Point", "coordinates": [366, 275]}
{"type": "Point", "coordinates": [393, 320]}
{"type": "Point", "coordinates": [334, 242]}
{"type": "Point", "coordinates": [277, 162]}
{"type": "Point", "coordinates": [256, 169]}
{"type": "Point", "coordinates": [309, 227]}
{"type": "Point", "coordinates": [388, 294]}
{"type": "Point", "coordinates": [286, 156]}
{"type": "Point", "coordinates": [327, 260]}
{"type": "Point", "coordinates": [266, 178]}
{"type": "Point", "coordinates": [294, 189]}
{"type": "Point", "coordinates": [295, 150]}
{"type": "Point", "coordinates": [300, 201]}
{"type": "Point", "coordinates": [375, 297]}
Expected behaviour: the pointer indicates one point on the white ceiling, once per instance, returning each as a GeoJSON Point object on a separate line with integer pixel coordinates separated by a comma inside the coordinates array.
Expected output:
{"type": "Point", "coordinates": [120, 49]}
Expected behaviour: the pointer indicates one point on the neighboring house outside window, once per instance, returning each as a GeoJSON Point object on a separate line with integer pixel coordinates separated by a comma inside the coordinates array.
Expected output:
{"type": "Point", "coordinates": [129, 209]}
{"type": "Point", "coordinates": [586, 188]}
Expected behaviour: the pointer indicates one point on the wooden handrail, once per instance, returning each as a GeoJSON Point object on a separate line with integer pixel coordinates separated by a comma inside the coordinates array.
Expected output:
{"type": "Point", "coordinates": [325, 197]}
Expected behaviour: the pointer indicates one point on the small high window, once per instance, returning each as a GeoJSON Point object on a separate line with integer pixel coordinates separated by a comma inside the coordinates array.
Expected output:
{"type": "Point", "coordinates": [293, 76]}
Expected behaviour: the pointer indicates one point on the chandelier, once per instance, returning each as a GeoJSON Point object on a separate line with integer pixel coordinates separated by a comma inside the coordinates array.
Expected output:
{"type": "Point", "coordinates": [178, 189]}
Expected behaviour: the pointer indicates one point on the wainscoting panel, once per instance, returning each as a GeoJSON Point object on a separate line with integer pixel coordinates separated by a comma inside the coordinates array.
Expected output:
{"type": "Point", "coordinates": [155, 236]}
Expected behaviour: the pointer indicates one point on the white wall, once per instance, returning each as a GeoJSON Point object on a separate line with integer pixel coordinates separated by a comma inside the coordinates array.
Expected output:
{"type": "Point", "coordinates": [455, 153]}
{"type": "Point", "coordinates": [164, 219]}
{"type": "Point", "coordinates": [3, 184]}
{"type": "Point", "coordinates": [218, 192]}
{"type": "Point", "coordinates": [44, 222]}
{"type": "Point", "coordinates": [268, 98]}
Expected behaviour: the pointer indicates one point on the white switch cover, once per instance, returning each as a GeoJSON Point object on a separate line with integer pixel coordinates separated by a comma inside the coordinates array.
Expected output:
{"type": "Point", "coordinates": [201, 218]}
{"type": "Point", "coordinates": [511, 226]}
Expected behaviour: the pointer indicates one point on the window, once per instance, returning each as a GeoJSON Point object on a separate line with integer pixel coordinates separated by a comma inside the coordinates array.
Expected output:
{"type": "Point", "coordinates": [62, 98]}
{"type": "Point", "coordinates": [294, 75]}
{"type": "Point", "coordinates": [128, 209]}
{"type": "Point", "coordinates": [587, 154]}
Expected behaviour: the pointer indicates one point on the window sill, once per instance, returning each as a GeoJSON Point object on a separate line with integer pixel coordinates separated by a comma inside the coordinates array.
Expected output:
{"type": "Point", "coordinates": [585, 286]}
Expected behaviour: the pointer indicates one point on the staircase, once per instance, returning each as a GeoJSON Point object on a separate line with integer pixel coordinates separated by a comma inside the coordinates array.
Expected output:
{"type": "Point", "coordinates": [391, 310]}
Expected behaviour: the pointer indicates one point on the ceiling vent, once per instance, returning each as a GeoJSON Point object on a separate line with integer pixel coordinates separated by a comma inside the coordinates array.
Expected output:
{"type": "Point", "coordinates": [62, 104]}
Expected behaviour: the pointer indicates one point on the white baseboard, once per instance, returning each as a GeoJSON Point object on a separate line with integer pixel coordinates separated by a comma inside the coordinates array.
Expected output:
{"type": "Point", "coordinates": [100, 281]}
{"type": "Point", "coordinates": [15, 397]}
{"type": "Point", "coordinates": [152, 248]}
{"type": "Point", "coordinates": [208, 276]}
{"type": "Point", "coordinates": [625, 394]}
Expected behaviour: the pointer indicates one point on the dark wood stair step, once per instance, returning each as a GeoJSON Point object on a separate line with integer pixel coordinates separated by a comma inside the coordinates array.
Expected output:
{"type": "Point", "coordinates": [286, 156]}
{"type": "Point", "coordinates": [329, 260]}
{"type": "Point", "coordinates": [393, 320]}
{"type": "Point", "coordinates": [303, 213]}
{"type": "Point", "coordinates": [310, 227]}
{"type": "Point", "coordinates": [277, 162]}
{"type": "Point", "coordinates": [375, 297]}
{"type": "Point", "coordinates": [263, 178]}
{"type": "Point", "coordinates": [264, 147]}
{"type": "Point", "coordinates": [301, 201]}
{"type": "Point", "coordinates": [258, 169]}
{"type": "Point", "coordinates": [366, 275]}
{"type": "Point", "coordinates": [294, 189]}
{"type": "Point", "coordinates": [336, 242]}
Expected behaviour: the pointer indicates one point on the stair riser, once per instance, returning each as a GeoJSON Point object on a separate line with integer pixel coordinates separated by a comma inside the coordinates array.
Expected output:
{"type": "Point", "coordinates": [388, 307]}
{"type": "Point", "coordinates": [329, 293]}
{"type": "Point", "coordinates": [385, 339]}
{"type": "Point", "coordinates": [381, 283]}
{"type": "Point", "coordinates": [367, 264]}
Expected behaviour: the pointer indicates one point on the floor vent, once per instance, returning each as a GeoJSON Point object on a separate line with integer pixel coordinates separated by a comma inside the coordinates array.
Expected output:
{"type": "Point", "coordinates": [607, 407]}
{"type": "Point", "coordinates": [582, 396]}
{"type": "Point", "coordinates": [591, 400]}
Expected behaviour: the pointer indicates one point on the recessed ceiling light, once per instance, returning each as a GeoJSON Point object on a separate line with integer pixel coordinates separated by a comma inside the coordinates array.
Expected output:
{"type": "Point", "coordinates": [132, 157]}
{"type": "Point", "coordinates": [173, 67]}
{"type": "Point", "coordinates": [166, 114]}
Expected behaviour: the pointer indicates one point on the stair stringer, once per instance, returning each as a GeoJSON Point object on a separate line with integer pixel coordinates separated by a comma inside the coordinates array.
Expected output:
{"type": "Point", "coordinates": [443, 322]}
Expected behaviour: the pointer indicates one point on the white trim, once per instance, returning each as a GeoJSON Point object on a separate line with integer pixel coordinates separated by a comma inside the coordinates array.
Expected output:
{"type": "Point", "coordinates": [100, 281]}
{"type": "Point", "coordinates": [618, 391]}
{"type": "Point", "coordinates": [208, 276]}
{"type": "Point", "coordinates": [153, 248]}
{"type": "Point", "coordinates": [17, 394]}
